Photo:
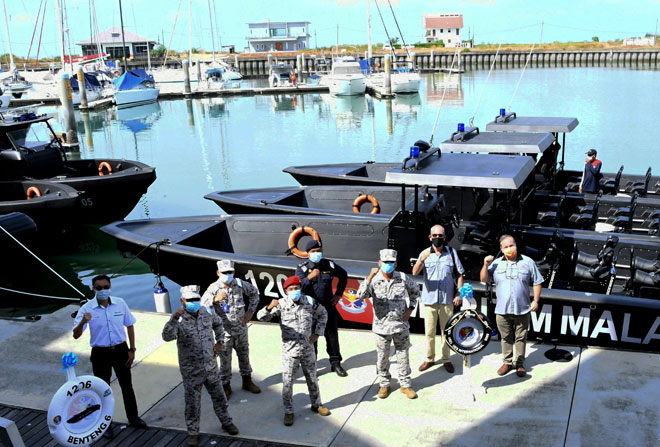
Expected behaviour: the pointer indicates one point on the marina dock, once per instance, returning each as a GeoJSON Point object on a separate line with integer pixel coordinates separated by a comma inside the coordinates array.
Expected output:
{"type": "Point", "coordinates": [601, 397]}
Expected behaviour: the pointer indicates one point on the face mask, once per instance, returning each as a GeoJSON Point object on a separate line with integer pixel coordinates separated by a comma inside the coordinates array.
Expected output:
{"type": "Point", "coordinates": [226, 277]}
{"type": "Point", "coordinates": [509, 252]}
{"type": "Point", "coordinates": [387, 267]}
{"type": "Point", "coordinates": [103, 294]}
{"type": "Point", "coordinates": [316, 257]}
{"type": "Point", "coordinates": [438, 241]}
{"type": "Point", "coordinates": [294, 295]}
{"type": "Point", "coordinates": [193, 306]}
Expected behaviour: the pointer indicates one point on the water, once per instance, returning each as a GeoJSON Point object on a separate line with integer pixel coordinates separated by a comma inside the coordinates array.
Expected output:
{"type": "Point", "coordinates": [204, 145]}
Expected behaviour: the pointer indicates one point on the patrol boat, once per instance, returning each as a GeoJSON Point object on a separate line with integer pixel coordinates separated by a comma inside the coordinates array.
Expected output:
{"type": "Point", "coordinates": [112, 187]}
{"type": "Point", "coordinates": [594, 282]}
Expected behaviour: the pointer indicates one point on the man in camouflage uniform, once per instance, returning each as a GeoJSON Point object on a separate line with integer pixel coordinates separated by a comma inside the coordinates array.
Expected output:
{"type": "Point", "coordinates": [298, 314]}
{"type": "Point", "coordinates": [226, 295]}
{"type": "Point", "coordinates": [394, 297]}
{"type": "Point", "coordinates": [193, 327]}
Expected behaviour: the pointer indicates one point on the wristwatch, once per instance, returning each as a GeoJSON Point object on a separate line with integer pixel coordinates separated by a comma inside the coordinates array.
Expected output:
{"type": "Point", "coordinates": [131, 349]}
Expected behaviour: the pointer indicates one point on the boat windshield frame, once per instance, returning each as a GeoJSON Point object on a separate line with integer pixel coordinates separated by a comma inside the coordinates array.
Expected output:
{"type": "Point", "coordinates": [34, 144]}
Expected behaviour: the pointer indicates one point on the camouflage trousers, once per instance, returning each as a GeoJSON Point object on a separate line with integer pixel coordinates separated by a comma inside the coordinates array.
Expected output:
{"type": "Point", "coordinates": [239, 342]}
{"type": "Point", "coordinates": [290, 366]}
{"type": "Point", "coordinates": [193, 397]}
{"type": "Point", "coordinates": [401, 342]}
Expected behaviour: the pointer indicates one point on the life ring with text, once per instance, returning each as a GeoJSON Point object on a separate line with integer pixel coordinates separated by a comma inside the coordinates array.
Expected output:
{"type": "Point", "coordinates": [468, 332]}
{"type": "Point", "coordinates": [104, 165]}
{"type": "Point", "coordinates": [357, 204]}
{"type": "Point", "coordinates": [33, 192]}
{"type": "Point", "coordinates": [81, 411]}
{"type": "Point", "coordinates": [296, 234]}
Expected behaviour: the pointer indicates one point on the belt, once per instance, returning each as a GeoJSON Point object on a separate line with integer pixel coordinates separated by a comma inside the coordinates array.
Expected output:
{"type": "Point", "coordinates": [110, 348]}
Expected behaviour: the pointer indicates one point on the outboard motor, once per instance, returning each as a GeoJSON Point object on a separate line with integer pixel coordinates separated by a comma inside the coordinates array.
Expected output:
{"type": "Point", "coordinates": [597, 271]}
{"type": "Point", "coordinates": [549, 265]}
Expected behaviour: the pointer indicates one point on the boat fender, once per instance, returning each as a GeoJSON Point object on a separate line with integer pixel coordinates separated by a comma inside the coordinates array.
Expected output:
{"type": "Point", "coordinates": [33, 192]}
{"type": "Point", "coordinates": [295, 236]}
{"type": "Point", "coordinates": [357, 204]}
{"type": "Point", "coordinates": [104, 165]}
{"type": "Point", "coordinates": [81, 410]}
{"type": "Point", "coordinates": [162, 299]}
{"type": "Point", "coordinates": [468, 332]}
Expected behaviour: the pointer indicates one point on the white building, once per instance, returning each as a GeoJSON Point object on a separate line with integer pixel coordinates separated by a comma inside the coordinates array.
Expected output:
{"type": "Point", "coordinates": [639, 41]}
{"type": "Point", "coordinates": [111, 44]}
{"type": "Point", "coordinates": [443, 27]}
{"type": "Point", "coordinates": [270, 36]}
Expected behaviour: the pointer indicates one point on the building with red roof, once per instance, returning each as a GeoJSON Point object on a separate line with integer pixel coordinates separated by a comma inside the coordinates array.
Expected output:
{"type": "Point", "coordinates": [443, 27]}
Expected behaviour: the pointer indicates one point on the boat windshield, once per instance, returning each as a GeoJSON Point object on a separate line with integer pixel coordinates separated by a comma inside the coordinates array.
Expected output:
{"type": "Point", "coordinates": [37, 135]}
{"type": "Point", "coordinates": [347, 70]}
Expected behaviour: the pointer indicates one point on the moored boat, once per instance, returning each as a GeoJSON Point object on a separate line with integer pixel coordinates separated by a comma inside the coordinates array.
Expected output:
{"type": "Point", "coordinates": [49, 204]}
{"type": "Point", "coordinates": [135, 87]}
{"type": "Point", "coordinates": [345, 77]}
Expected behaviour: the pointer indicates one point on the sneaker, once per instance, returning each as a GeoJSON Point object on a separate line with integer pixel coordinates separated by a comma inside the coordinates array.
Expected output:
{"type": "Point", "coordinates": [323, 411]}
{"type": "Point", "coordinates": [409, 392]}
{"type": "Point", "coordinates": [288, 419]}
{"type": "Point", "coordinates": [383, 392]}
{"type": "Point", "coordinates": [230, 429]}
{"type": "Point", "coordinates": [193, 440]}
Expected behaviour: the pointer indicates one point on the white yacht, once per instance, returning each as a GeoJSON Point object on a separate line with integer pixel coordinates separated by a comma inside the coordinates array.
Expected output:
{"type": "Point", "coordinates": [279, 75]}
{"type": "Point", "coordinates": [402, 80]}
{"type": "Point", "coordinates": [346, 77]}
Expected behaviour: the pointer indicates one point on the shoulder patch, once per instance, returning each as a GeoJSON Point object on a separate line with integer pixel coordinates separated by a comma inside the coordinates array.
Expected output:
{"type": "Point", "coordinates": [310, 300]}
{"type": "Point", "coordinates": [332, 264]}
{"type": "Point", "coordinates": [239, 282]}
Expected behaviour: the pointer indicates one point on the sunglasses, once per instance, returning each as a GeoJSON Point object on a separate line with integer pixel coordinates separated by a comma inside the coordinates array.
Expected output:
{"type": "Point", "coordinates": [101, 287]}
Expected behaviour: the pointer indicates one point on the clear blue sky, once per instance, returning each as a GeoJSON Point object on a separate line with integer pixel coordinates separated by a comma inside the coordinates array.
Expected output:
{"type": "Point", "coordinates": [493, 21]}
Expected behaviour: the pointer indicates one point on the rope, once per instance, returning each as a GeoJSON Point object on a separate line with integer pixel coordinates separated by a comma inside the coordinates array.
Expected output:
{"type": "Point", "coordinates": [167, 50]}
{"type": "Point", "coordinates": [529, 57]}
{"type": "Point", "coordinates": [41, 32]}
{"type": "Point", "coordinates": [40, 295]}
{"type": "Point", "coordinates": [386, 33]}
{"type": "Point", "coordinates": [485, 84]}
{"type": "Point", "coordinates": [157, 243]}
{"type": "Point", "coordinates": [34, 31]}
{"type": "Point", "coordinates": [444, 92]}
{"type": "Point", "coordinates": [37, 258]}
{"type": "Point", "coordinates": [397, 27]}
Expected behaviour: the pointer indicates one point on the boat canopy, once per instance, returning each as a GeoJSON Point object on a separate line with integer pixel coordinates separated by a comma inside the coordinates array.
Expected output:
{"type": "Point", "coordinates": [132, 79]}
{"type": "Point", "coordinates": [215, 72]}
{"type": "Point", "coordinates": [512, 123]}
{"type": "Point", "coordinates": [90, 81]}
{"type": "Point", "coordinates": [498, 142]}
{"type": "Point", "coordinates": [467, 171]}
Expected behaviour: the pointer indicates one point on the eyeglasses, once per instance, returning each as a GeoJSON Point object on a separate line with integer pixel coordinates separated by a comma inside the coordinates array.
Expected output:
{"type": "Point", "coordinates": [511, 271]}
{"type": "Point", "coordinates": [101, 287]}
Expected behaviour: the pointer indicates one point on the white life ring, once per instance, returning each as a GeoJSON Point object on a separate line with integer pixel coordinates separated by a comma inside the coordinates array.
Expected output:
{"type": "Point", "coordinates": [81, 411]}
{"type": "Point", "coordinates": [468, 332]}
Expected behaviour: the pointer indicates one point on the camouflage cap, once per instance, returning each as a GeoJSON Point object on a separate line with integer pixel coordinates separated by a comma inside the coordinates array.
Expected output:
{"type": "Point", "coordinates": [188, 292]}
{"type": "Point", "coordinates": [225, 265]}
{"type": "Point", "coordinates": [388, 255]}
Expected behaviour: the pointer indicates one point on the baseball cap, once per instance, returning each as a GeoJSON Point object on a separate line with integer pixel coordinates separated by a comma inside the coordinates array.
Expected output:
{"type": "Point", "coordinates": [225, 265]}
{"type": "Point", "coordinates": [591, 152]}
{"type": "Point", "coordinates": [388, 255]}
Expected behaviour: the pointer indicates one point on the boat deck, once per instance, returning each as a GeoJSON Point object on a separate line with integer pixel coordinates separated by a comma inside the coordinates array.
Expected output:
{"type": "Point", "coordinates": [601, 397]}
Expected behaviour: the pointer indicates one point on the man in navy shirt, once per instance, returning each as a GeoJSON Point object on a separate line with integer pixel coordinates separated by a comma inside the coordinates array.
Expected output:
{"type": "Point", "coordinates": [591, 177]}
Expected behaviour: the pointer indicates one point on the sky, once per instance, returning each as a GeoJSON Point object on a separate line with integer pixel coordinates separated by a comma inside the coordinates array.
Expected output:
{"type": "Point", "coordinates": [491, 21]}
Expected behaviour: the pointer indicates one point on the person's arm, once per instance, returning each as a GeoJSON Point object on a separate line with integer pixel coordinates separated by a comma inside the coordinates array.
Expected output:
{"type": "Point", "coordinates": [306, 277]}
{"type": "Point", "coordinates": [483, 274]}
{"type": "Point", "coordinates": [269, 312]}
{"type": "Point", "coordinates": [413, 296]}
{"type": "Point", "coordinates": [80, 323]}
{"type": "Point", "coordinates": [171, 328]}
{"type": "Point", "coordinates": [365, 290]}
{"type": "Point", "coordinates": [130, 330]}
{"type": "Point", "coordinates": [460, 280]}
{"type": "Point", "coordinates": [419, 265]}
{"type": "Point", "coordinates": [209, 295]}
{"type": "Point", "coordinates": [319, 321]}
{"type": "Point", "coordinates": [218, 330]}
{"type": "Point", "coordinates": [537, 279]}
{"type": "Point", "coordinates": [253, 299]}
{"type": "Point", "coordinates": [342, 280]}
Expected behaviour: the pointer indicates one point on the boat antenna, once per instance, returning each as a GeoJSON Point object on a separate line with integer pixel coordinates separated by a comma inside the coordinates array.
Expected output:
{"type": "Point", "coordinates": [123, 41]}
{"type": "Point", "coordinates": [403, 41]}
{"type": "Point", "coordinates": [444, 92]}
{"type": "Point", "coordinates": [471, 123]}
{"type": "Point", "coordinates": [529, 56]}
{"type": "Point", "coordinates": [386, 33]}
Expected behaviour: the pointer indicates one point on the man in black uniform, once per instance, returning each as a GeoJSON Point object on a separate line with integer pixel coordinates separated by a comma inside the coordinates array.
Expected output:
{"type": "Point", "coordinates": [316, 277]}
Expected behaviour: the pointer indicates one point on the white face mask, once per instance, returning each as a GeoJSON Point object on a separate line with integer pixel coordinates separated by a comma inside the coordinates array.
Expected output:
{"type": "Point", "coordinates": [226, 277]}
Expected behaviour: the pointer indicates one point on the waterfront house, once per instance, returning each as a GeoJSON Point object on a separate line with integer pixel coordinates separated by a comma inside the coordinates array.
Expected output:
{"type": "Point", "coordinates": [444, 27]}
{"type": "Point", "coordinates": [639, 41]}
{"type": "Point", "coordinates": [270, 36]}
{"type": "Point", "coordinates": [111, 45]}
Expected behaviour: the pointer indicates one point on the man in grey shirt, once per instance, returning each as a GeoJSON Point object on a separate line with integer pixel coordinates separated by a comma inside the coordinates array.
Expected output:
{"type": "Point", "coordinates": [513, 274]}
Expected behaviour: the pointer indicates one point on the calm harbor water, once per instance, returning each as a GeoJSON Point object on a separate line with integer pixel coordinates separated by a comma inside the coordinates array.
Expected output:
{"type": "Point", "coordinates": [204, 145]}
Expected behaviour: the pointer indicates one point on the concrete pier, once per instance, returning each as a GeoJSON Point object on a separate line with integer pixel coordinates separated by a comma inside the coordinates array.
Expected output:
{"type": "Point", "coordinates": [601, 397]}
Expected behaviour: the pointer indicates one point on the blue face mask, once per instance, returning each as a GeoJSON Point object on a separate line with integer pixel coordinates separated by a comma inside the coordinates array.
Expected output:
{"type": "Point", "coordinates": [316, 257]}
{"type": "Point", "coordinates": [193, 306]}
{"type": "Point", "coordinates": [226, 277]}
{"type": "Point", "coordinates": [387, 267]}
{"type": "Point", "coordinates": [103, 294]}
{"type": "Point", "coordinates": [294, 295]}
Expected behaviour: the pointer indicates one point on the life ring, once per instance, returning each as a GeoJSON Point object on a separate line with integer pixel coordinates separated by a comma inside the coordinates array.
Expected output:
{"type": "Point", "coordinates": [116, 73]}
{"type": "Point", "coordinates": [80, 411]}
{"type": "Point", "coordinates": [357, 204]}
{"type": "Point", "coordinates": [296, 234]}
{"type": "Point", "coordinates": [33, 192]}
{"type": "Point", "coordinates": [105, 165]}
{"type": "Point", "coordinates": [468, 332]}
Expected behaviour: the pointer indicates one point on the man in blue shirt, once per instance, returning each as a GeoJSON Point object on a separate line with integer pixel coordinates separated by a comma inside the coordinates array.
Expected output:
{"type": "Point", "coordinates": [107, 316]}
{"type": "Point", "coordinates": [591, 176]}
{"type": "Point", "coordinates": [443, 278]}
{"type": "Point", "coordinates": [513, 274]}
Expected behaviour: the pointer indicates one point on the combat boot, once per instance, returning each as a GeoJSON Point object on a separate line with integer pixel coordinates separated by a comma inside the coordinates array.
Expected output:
{"type": "Point", "coordinates": [227, 388]}
{"type": "Point", "coordinates": [193, 440]}
{"type": "Point", "coordinates": [249, 385]}
{"type": "Point", "coordinates": [409, 392]}
{"type": "Point", "coordinates": [230, 429]}
{"type": "Point", "coordinates": [383, 392]}
{"type": "Point", "coordinates": [288, 419]}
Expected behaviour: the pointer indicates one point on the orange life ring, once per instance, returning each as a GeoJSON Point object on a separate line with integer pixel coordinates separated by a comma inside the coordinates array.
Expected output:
{"type": "Point", "coordinates": [295, 235]}
{"type": "Point", "coordinates": [362, 199]}
{"type": "Point", "coordinates": [33, 192]}
{"type": "Point", "coordinates": [106, 165]}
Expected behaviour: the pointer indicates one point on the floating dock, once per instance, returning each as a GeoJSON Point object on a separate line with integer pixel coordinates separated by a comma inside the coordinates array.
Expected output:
{"type": "Point", "coordinates": [601, 397]}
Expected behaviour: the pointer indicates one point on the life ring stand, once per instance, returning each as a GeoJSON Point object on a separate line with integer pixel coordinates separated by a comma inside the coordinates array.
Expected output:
{"type": "Point", "coordinates": [296, 234]}
{"type": "Point", "coordinates": [468, 332]}
{"type": "Point", "coordinates": [361, 199]}
{"type": "Point", "coordinates": [33, 192]}
{"type": "Point", "coordinates": [105, 165]}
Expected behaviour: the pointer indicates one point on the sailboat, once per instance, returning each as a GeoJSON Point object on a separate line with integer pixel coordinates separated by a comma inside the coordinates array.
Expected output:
{"type": "Point", "coordinates": [15, 83]}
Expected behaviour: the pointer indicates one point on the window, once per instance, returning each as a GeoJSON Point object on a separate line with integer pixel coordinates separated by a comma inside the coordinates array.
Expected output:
{"type": "Point", "coordinates": [277, 32]}
{"type": "Point", "coordinates": [116, 35]}
{"type": "Point", "coordinates": [116, 53]}
{"type": "Point", "coordinates": [448, 40]}
{"type": "Point", "coordinates": [440, 30]}
{"type": "Point", "coordinates": [434, 32]}
{"type": "Point", "coordinates": [141, 49]}
{"type": "Point", "coordinates": [457, 31]}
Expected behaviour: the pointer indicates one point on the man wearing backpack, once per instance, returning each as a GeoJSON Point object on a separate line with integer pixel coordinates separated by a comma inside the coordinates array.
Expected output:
{"type": "Point", "coordinates": [443, 278]}
{"type": "Point", "coordinates": [226, 295]}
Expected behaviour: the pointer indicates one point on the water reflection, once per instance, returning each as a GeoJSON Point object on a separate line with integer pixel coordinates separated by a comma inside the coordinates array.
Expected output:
{"type": "Point", "coordinates": [435, 88]}
{"type": "Point", "coordinates": [348, 110]}
{"type": "Point", "coordinates": [214, 107]}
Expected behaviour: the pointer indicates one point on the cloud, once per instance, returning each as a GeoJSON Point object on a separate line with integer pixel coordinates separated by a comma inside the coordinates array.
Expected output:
{"type": "Point", "coordinates": [22, 18]}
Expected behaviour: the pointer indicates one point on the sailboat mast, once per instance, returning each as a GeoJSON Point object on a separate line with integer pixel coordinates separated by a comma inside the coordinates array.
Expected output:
{"type": "Point", "coordinates": [190, 31]}
{"type": "Point", "coordinates": [11, 55]}
{"type": "Point", "coordinates": [369, 53]}
{"type": "Point", "coordinates": [212, 38]}
{"type": "Point", "coordinates": [60, 25]}
{"type": "Point", "coordinates": [123, 41]}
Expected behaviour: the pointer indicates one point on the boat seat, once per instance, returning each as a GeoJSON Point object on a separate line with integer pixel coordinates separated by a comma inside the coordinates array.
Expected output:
{"type": "Point", "coordinates": [645, 264]}
{"type": "Point", "coordinates": [622, 223]}
{"type": "Point", "coordinates": [610, 185]}
{"type": "Point", "coordinates": [546, 217]}
{"type": "Point", "coordinates": [652, 224]}
{"type": "Point", "coordinates": [624, 210]}
{"type": "Point", "coordinates": [583, 220]}
{"type": "Point", "coordinates": [651, 214]}
{"type": "Point", "coordinates": [648, 279]}
{"type": "Point", "coordinates": [586, 258]}
{"type": "Point", "coordinates": [596, 267]}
